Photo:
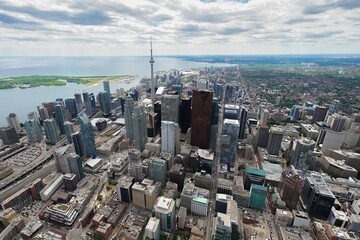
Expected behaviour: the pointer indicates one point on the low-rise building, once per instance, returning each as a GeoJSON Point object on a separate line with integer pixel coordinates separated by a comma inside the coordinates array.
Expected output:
{"type": "Point", "coordinates": [61, 213]}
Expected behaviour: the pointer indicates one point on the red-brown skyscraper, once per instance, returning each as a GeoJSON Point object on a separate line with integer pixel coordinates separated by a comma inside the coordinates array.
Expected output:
{"type": "Point", "coordinates": [201, 118]}
{"type": "Point", "coordinates": [292, 184]}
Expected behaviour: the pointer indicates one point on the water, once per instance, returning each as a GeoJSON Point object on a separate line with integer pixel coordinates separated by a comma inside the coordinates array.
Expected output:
{"type": "Point", "coordinates": [23, 101]}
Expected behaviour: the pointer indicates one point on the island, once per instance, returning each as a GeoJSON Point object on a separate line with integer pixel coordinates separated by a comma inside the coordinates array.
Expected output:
{"type": "Point", "coordinates": [52, 80]}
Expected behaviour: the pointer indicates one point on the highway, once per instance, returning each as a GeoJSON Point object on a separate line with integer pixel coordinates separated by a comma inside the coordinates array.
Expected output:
{"type": "Point", "coordinates": [32, 172]}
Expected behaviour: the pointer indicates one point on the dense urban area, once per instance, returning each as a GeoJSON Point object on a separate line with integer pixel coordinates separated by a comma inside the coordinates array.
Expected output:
{"type": "Point", "coordinates": [251, 151]}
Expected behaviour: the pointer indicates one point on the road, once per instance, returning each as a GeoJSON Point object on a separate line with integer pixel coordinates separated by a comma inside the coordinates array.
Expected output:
{"type": "Point", "coordinates": [15, 182]}
{"type": "Point", "coordinates": [208, 234]}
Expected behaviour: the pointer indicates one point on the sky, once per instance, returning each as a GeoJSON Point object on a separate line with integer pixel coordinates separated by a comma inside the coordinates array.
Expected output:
{"type": "Point", "coordinates": [178, 27]}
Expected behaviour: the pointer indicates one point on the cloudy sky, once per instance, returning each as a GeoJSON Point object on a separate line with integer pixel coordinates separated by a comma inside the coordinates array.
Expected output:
{"type": "Point", "coordinates": [123, 27]}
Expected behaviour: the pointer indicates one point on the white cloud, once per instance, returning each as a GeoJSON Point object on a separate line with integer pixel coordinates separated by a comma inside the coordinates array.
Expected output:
{"type": "Point", "coordinates": [112, 27]}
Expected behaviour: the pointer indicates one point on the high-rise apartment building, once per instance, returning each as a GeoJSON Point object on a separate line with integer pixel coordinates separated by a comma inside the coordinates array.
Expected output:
{"type": "Point", "coordinates": [43, 113]}
{"type": "Point", "coordinates": [8, 135]}
{"type": "Point", "coordinates": [129, 108]}
{"type": "Point", "coordinates": [13, 121]}
{"type": "Point", "coordinates": [87, 133]}
{"type": "Point", "coordinates": [71, 107]}
{"type": "Point", "coordinates": [274, 140]}
{"type": "Point", "coordinates": [170, 108]}
{"type": "Point", "coordinates": [170, 137]}
{"type": "Point", "coordinates": [78, 103]}
{"type": "Point", "coordinates": [76, 165]}
{"type": "Point", "coordinates": [292, 182]}
{"type": "Point", "coordinates": [106, 85]}
{"type": "Point", "coordinates": [228, 150]}
{"type": "Point", "coordinates": [61, 162]}
{"type": "Point", "coordinates": [105, 103]}
{"type": "Point", "coordinates": [78, 143]}
{"type": "Point", "coordinates": [60, 117]}
{"type": "Point", "coordinates": [139, 123]}
{"type": "Point", "coordinates": [201, 118]}
{"type": "Point", "coordinates": [87, 103]}
{"type": "Point", "coordinates": [51, 131]}
{"type": "Point", "coordinates": [69, 130]}
{"type": "Point", "coordinates": [33, 130]}
{"type": "Point", "coordinates": [33, 115]}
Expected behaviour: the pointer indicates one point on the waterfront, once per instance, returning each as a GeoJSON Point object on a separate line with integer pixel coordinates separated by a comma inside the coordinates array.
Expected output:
{"type": "Point", "coordinates": [23, 101]}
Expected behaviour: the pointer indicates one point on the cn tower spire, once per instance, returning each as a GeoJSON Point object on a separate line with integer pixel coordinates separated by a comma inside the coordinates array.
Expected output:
{"type": "Point", "coordinates": [151, 61]}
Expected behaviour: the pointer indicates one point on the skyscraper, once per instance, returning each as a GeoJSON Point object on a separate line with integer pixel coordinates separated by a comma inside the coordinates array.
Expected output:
{"type": "Point", "coordinates": [157, 170]}
{"type": "Point", "coordinates": [170, 137]}
{"type": "Point", "coordinates": [87, 103]}
{"type": "Point", "coordinates": [334, 107]}
{"type": "Point", "coordinates": [316, 196]}
{"type": "Point", "coordinates": [13, 120]}
{"type": "Point", "coordinates": [152, 61]}
{"type": "Point", "coordinates": [292, 182]}
{"type": "Point", "coordinates": [33, 115]}
{"type": "Point", "coordinates": [61, 162]}
{"type": "Point", "coordinates": [8, 135]}
{"type": "Point", "coordinates": [243, 118]}
{"type": "Point", "coordinates": [129, 108]}
{"type": "Point", "coordinates": [51, 131]}
{"type": "Point", "coordinates": [78, 103]}
{"type": "Point", "coordinates": [33, 130]}
{"type": "Point", "coordinates": [78, 143]}
{"type": "Point", "coordinates": [253, 176]}
{"type": "Point", "coordinates": [228, 150]}
{"type": "Point", "coordinates": [87, 133]}
{"type": "Point", "coordinates": [164, 209]}
{"type": "Point", "coordinates": [170, 108]}
{"type": "Point", "coordinates": [319, 114]}
{"type": "Point", "coordinates": [71, 106]}
{"type": "Point", "coordinates": [60, 117]}
{"type": "Point", "coordinates": [139, 126]}
{"type": "Point", "coordinates": [274, 140]}
{"type": "Point", "coordinates": [69, 130]}
{"type": "Point", "coordinates": [105, 103]}
{"type": "Point", "coordinates": [135, 167]}
{"type": "Point", "coordinates": [106, 85]}
{"type": "Point", "coordinates": [43, 112]}
{"type": "Point", "coordinates": [92, 102]}
{"type": "Point", "coordinates": [185, 114]}
{"type": "Point", "coordinates": [75, 165]}
{"type": "Point", "coordinates": [201, 118]}
{"type": "Point", "coordinates": [302, 153]}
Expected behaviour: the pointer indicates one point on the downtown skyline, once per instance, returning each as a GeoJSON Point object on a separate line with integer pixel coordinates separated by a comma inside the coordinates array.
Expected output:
{"type": "Point", "coordinates": [191, 27]}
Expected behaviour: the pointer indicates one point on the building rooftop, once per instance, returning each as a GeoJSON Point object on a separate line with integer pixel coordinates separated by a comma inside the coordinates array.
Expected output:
{"type": "Point", "coordinates": [258, 187]}
{"type": "Point", "coordinates": [30, 229]}
{"type": "Point", "coordinates": [319, 184]}
{"type": "Point", "coordinates": [255, 171]}
{"type": "Point", "coordinates": [201, 200]}
{"type": "Point", "coordinates": [164, 203]}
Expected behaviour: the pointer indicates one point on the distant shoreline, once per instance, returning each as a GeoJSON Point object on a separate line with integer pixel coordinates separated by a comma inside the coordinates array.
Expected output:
{"type": "Point", "coordinates": [24, 82]}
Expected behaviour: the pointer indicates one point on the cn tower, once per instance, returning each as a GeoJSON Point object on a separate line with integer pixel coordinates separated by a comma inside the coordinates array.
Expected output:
{"type": "Point", "coordinates": [151, 61]}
